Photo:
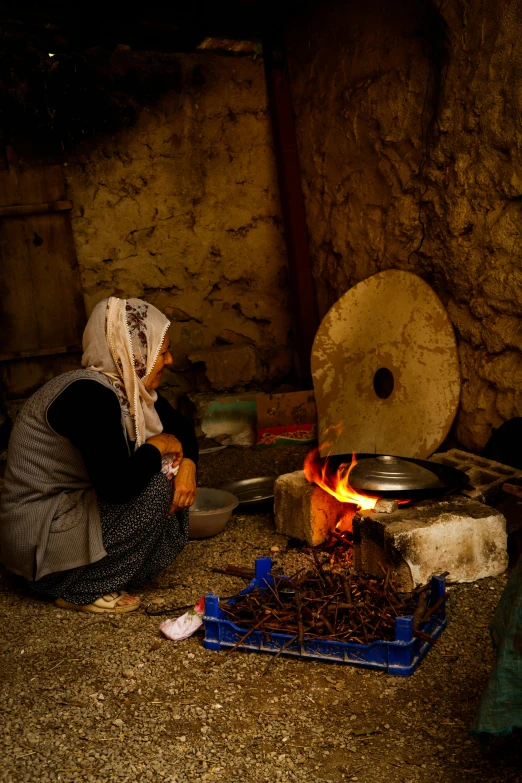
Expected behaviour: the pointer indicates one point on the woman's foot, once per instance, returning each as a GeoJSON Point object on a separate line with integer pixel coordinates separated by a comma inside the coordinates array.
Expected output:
{"type": "Point", "coordinates": [127, 600]}
{"type": "Point", "coordinates": [113, 603]}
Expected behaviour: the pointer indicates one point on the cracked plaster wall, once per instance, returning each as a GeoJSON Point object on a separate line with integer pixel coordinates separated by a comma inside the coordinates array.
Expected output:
{"type": "Point", "coordinates": [400, 174]}
{"type": "Point", "coordinates": [183, 210]}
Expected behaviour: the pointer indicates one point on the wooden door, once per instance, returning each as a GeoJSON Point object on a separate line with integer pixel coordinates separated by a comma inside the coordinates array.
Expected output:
{"type": "Point", "coordinates": [42, 311]}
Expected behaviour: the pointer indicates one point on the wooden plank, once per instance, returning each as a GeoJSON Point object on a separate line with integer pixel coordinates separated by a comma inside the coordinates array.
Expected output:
{"type": "Point", "coordinates": [35, 209]}
{"type": "Point", "coordinates": [34, 185]}
{"type": "Point", "coordinates": [300, 279]}
{"type": "Point", "coordinates": [18, 321]}
{"type": "Point", "coordinates": [58, 297]}
{"type": "Point", "coordinates": [42, 312]}
{"type": "Point", "coordinates": [41, 296]}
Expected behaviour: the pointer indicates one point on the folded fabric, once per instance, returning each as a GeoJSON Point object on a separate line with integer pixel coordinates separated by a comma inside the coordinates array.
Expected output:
{"type": "Point", "coordinates": [167, 467]}
{"type": "Point", "coordinates": [186, 625]}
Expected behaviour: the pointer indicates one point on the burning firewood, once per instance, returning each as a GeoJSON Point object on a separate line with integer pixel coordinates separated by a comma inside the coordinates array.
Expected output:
{"type": "Point", "coordinates": [339, 548]}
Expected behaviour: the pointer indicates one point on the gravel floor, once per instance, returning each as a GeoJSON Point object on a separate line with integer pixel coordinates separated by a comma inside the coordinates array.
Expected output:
{"type": "Point", "coordinates": [105, 698]}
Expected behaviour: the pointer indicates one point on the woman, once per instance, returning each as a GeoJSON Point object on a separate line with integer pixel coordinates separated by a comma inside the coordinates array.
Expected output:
{"type": "Point", "coordinates": [90, 502]}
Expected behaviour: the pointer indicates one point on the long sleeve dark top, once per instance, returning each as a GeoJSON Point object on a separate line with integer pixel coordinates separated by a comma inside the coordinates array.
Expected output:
{"type": "Point", "coordinates": [89, 415]}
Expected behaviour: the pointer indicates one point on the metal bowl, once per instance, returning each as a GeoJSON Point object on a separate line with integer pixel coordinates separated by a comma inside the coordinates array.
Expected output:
{"type": "Point", "coordinates": [210, 512]}
{"type": "Point", "coordinates": [252, 491]}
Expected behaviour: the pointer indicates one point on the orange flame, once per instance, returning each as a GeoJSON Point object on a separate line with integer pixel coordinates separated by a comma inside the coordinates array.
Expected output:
{"type": "Point", "coordinates": [338, 483]}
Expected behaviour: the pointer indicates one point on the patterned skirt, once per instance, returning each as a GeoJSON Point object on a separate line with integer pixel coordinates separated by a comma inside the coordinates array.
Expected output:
{"type": "Point", "coordinates": [140, 539]}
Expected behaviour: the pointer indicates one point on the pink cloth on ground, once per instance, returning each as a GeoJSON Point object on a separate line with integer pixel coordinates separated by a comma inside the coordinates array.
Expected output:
{"type": "Point", "coordinates": [186, 625]}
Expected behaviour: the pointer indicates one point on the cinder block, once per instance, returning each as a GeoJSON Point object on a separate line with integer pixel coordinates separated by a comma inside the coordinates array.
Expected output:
{"type": "Point", "coordinates": [307, 512]}
{"type": "Point", "coordinates": [458, 535]}
{"type": "Point", "coordinates": [485, 475]}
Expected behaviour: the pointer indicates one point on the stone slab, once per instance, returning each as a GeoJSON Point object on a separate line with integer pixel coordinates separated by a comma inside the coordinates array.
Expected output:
{"type": "Point", "coordinates": [307, 512]}
{"type": "Point", "coordinates": [385, 366]}
{"type": "Point", "coordinates": [457, 535]}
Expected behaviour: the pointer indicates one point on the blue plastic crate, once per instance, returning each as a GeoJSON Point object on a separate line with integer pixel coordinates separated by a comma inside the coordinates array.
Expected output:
{"type": "Point", "coordinates": [400, 657]}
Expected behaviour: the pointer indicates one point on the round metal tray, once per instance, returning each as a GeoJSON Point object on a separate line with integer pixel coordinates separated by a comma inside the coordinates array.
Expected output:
{"type": "Point", "coordinates": [251, 491]}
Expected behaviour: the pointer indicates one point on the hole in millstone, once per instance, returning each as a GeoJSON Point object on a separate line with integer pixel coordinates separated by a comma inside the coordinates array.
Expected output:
{"type": "Point", "coordinates": [383, 383]}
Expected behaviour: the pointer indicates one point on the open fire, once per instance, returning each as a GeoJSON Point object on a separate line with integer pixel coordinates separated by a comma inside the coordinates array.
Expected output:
{"type": "Point", "coordinates": [336, 483]}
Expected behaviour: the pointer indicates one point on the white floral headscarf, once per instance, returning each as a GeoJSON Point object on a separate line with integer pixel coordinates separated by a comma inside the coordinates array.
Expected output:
{"type": "Point", "coordinates": [122, 340]}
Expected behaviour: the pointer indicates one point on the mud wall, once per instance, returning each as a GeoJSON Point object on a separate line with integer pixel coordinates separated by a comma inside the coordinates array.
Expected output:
{"type": "Point", "coordinates": [410, 132]}
{"type": "Point", "coordinates": [183, 210]}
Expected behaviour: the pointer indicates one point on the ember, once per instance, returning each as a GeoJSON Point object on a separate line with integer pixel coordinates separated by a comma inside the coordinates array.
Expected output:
{"type": "Point", "coordinates": [339, 547]}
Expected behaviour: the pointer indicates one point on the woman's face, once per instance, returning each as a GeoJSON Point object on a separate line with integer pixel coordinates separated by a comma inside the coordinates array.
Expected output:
{"type": "Point", "coordinates": [164, 358]}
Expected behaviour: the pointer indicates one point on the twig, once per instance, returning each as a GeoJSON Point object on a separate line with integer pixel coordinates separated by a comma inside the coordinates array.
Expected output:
{"type": "Point", "coordinates": [172, 609]}
{"type": "Point", "coordinates": [340, 537]}
{"type": "Point", "coordinates": [232, 570]}
{"type": "Point", "coordinates": [425, 637]}
{"type": "Point", "coordinates": [347, 589]}
{"type": "Point", "coordinates": [420, 611]}
{"type": "Point", "coordinates": [435, 608]}
{"type": "Point", "coordinates": [299, 608]}
{"type": "Point", "coordinates": [240, 642]}
{"type": "Point", "coordinates": [278, 653]}
{"type": "Point", "coordinates": [56, 665]}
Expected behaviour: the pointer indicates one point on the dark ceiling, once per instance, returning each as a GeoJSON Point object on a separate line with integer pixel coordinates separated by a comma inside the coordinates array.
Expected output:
{"type": "Point", "coordinates": [152, 26]}
{"type": "Point", "coordinates": [70, 71]}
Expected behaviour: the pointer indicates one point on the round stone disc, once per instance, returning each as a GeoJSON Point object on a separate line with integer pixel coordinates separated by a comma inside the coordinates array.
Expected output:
{"type": "Point", "coordinates": [385, 369]}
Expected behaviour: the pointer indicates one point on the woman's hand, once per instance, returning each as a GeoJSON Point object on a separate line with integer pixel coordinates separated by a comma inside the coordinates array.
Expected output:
{"type": "Point", "coordinates": [168, 444]}
{"type": "Point", "coordinates": [184, 486]}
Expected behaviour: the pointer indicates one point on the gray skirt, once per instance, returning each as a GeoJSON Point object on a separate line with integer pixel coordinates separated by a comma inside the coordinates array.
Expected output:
{"type": "Point", "coordinates": [140, 539]}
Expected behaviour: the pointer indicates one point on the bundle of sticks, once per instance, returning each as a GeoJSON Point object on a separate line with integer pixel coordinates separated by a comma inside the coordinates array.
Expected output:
{"type": "Point", "coordinates": [332, 605]}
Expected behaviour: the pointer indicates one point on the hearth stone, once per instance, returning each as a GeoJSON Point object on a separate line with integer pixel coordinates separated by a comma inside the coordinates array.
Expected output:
{"type": "Point", "coordinates": [305, 511]}
{"type": "Point", "coordinates": [457, 535]}
{"type": "Point", "coordinates": [384, 506]}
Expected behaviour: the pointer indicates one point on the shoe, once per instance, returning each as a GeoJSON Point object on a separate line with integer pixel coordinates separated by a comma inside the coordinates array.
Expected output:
{"type": "Point", "coordinates": [107, 604]}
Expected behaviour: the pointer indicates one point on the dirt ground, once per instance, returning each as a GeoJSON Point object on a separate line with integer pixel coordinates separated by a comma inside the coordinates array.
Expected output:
{"type": "Point", "coordinates": [104, 698]}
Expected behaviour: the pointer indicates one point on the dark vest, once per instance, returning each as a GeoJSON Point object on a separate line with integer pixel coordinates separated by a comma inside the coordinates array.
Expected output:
{"type": "Point", "coordinates": [49, 518]}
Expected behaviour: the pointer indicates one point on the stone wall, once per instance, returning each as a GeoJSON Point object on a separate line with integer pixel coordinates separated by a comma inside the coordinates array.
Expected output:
{"type": "Point", "coordinates": [183, 210]}
{"type": "Point", "coordinates": [409, 122]}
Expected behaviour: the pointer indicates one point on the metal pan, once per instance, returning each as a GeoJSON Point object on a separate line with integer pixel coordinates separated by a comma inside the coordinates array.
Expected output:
{"type": "Point", "coordinates": [252, 491]}
{"type": "Point", "coordinates": [444, 478]}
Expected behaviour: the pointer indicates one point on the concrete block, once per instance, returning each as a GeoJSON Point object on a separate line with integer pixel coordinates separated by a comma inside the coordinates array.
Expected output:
{"type": "Point", "coordinates": [307, 512]}
{"type": "Point", "coordinates": [458, 535]}
{"type": "Point", "coordinates": [485, 475]}
{"type": "Point", "coordinates": [228, 366]}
